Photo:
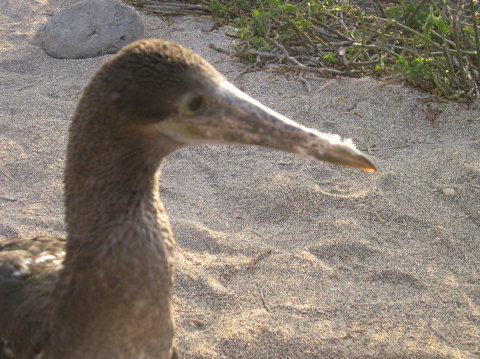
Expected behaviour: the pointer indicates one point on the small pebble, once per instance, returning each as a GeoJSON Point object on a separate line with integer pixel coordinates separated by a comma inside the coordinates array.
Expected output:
{"type": "Point", "coordinates": [448, 191]}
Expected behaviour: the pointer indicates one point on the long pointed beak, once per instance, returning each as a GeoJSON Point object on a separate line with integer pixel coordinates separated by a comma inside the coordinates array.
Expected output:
{"type": "Point", "coordinates": [271, 129]}
{"type": "Point", "coordinates": [232, 116]}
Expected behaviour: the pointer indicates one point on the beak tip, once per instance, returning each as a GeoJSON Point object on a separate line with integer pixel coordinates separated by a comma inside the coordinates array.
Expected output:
{"type": "Point", "coordinates": [372, 169]}
{"type": "Point", "coordinates": [369, 166]}
{"type": "Point", "coordinates": [345, 154]}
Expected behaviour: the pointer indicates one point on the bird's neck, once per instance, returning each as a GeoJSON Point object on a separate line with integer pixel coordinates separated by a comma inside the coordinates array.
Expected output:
{"type": "Point", "coordinates": [111, 182]}
{"type": "Point", "coordinates": [118, 264]}
{"type": "Point", "coordinates": [111, 193]}
{"type": "Point", "coordinates": [113, 214]}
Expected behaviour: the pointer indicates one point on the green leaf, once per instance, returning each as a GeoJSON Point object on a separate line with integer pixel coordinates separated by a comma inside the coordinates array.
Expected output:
{"type": "Point", "coordinates": [468, 30]}
{"type": "Point", "coordinates": [401, 61]}
{"type": "Point", "coordinates": [401, 65]}
{"type": "Point", "coordinates": [441, 26]}
{"type": "Point", "coordinates": [303, 23]}
{"type": "Point", "coordinates": [330, 58]}
{"type": "Point", "coordinates": [255, 13]}
{"type": "Point", "coordinates": [290, 7]}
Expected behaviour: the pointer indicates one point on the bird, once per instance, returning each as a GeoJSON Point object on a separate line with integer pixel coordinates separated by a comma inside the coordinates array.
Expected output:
{"type": "Point", "coordinates": [105, 290]}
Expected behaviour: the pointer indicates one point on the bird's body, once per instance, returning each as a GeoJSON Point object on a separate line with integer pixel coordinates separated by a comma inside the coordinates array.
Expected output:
{"type": "Point", "coordinates": [106, 291]}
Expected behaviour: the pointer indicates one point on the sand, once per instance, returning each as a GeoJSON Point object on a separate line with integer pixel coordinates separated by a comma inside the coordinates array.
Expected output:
{"type": "Point", "coordinates": [279, 256]}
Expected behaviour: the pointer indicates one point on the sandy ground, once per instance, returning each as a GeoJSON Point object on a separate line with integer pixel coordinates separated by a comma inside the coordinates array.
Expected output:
{"type": "Point", "coordinates": [350, 264]}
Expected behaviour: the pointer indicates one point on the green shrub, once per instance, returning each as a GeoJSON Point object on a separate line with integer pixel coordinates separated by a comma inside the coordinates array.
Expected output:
{"type": "Point", "coordinates": [434, 45]}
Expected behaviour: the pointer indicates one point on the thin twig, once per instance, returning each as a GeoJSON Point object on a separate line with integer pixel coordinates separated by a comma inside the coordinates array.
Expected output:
{"type": "Point", "coordinates": [305, 82]}
{"type": "Point", "coordinates": [262, 297]}
{"type": "Point", "coordinates": [380, 219]}
{"type": "Point", "coordinates": [257, 259]}
{"type": "Point", "coordinates": [219, 49]}
{"type": "Point", "coordinates": [303, 35]}
{"type": "Point", "coordinates": [266, 55]}
{"type": "Point", "coordinates": [328, 28]}
{"type": "Point", "coordinates": [450, 342]}
{"type": "Point", "coordinates": [170, 7]}
{"type": "Point", "coordinates": [320, 70]}
{"type": "Point", "coordinates": [285, 53]}
{"type": "Point", "coordinates": [249, 68]}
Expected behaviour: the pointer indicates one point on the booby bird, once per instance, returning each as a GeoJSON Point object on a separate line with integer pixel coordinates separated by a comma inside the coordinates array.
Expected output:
{"type": "Point", "coordinates": [105, 291]}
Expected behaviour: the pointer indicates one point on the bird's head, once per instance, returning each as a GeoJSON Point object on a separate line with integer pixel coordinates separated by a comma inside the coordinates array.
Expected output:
{"type": "Point", "coordinates": [164, 89]}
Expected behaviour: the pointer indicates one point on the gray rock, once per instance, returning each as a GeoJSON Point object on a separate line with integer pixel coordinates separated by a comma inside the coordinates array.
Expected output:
{"type": "Point", "coordinates": [90, 28]}
{"type": "Point", "coordinates": [448, 191]}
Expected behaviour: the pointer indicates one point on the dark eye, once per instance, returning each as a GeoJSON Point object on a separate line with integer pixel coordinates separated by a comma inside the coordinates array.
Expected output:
{"type": "Point", "coordinates": [195, 103]}
{"type": "Point", "coordinates": [191, 103]}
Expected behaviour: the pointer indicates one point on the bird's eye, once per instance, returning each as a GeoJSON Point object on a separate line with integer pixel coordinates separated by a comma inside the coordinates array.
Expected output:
{"type": "Point", "coordinates": [195, 103]}
{"type": "Point", "coordinates": [192, 103]}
